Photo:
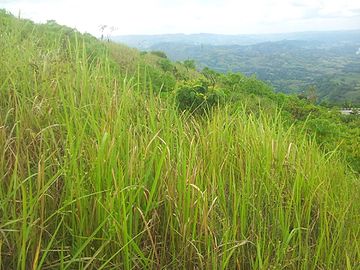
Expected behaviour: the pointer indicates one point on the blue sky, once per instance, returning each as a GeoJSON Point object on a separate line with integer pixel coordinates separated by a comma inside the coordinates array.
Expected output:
{"type": "Point", "coordinates": [193, 16]}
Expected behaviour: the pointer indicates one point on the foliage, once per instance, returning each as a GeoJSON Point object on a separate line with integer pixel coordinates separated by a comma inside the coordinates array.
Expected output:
{"type": "Point", "coordinates": [211, 75]}
{"type": "Point", "coordinates": [166, 65]}
{"type": "Point", "coordinates": [323, 128]}
{"type": "Point", "coordinates": [159, 81]}
{"type": "Point", "coordinates": [291, 66]}
{"type": "Point", "coordinates": [189, 64]}
{"type": "Point", "coordinates": [197, 97]}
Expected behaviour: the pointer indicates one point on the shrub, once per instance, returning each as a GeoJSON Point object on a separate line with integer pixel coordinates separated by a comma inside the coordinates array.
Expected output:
{"type": "Point", "coordinates": [159, 81]}
{"type": "Point", "coordinates": [189, 64]}
{"type": "Point", "coordinates": [324, 129]}
{"type": "Point", "coordinates": [197, 97]}
{"type": "Point", "coordinates": [166, 65]}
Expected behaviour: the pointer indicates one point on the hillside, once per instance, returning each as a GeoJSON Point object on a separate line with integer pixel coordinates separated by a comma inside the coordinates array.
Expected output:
{"type": "Point", "coordinates": [115, 159]}
{"type": "Point", "coordinates": [290, 62]}
{"type": "Point", "coordinates": [145, 42]}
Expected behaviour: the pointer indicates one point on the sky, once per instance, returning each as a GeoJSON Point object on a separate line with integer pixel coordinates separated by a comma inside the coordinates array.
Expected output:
{"type": "Point", "coordinates": [125, 17]}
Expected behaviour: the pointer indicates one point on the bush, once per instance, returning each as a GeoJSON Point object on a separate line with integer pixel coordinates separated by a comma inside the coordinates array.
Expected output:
{"type": "Point", "coordinates": [324, 129]}
{"type": "Point", "coordinates": [189, 64]}
{"type": "Point", "coordinates": [197, 97]}
{"type": "Point", "coordinates": [166, 65]}
{"type": "Point", "coordinates": [160, 81]}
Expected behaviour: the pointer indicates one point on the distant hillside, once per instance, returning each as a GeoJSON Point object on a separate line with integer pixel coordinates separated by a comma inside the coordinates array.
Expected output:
{"type": "Point", "coordinates": [144, 42]}
{"type": "Point", "coordinates": [290, 66]}
{"type": "Point", "coordinates": [290, 62]}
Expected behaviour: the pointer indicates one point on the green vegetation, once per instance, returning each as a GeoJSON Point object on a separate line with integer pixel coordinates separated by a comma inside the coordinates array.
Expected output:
{"type": "Point", "coordinates": [101, 168]}
{"type": "Point", "coordinates": [197, 98]}
{"type": "Point", "coordinates": [291, 66]}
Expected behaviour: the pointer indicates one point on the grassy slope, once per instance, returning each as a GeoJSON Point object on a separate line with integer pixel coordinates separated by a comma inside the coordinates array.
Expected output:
{"type": "Point", "coordinates": [98, 172]}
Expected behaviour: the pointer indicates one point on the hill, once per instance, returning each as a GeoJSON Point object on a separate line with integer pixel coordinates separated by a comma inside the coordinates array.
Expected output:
{"type": "Point", "coordinates": [290, 62]}
{"type": "Point", "coordinates": [115, 159]}
{"type": "Point", "coordinates": [145, 42]}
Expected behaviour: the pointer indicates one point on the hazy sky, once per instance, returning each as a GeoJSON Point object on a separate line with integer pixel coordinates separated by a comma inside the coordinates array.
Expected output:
{"type": "Point", "coordinates": [193, 16]}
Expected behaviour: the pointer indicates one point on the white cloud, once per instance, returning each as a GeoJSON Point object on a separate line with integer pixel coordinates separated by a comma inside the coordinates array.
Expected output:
{"type": "Point", "coordinates": [193, 16]}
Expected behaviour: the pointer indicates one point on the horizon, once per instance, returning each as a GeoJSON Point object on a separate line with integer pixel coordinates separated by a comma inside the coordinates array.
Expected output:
{"type": "Point", "coordinates": [250, 34]}
{"type": "Point", "coordinates": [160, 17]}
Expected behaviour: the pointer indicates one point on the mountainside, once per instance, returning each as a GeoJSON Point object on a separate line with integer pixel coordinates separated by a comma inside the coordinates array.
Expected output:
{"type": "Point", "coordinates": [111, 158]}
{"type": "Point", "coordinates": [145, 42]}
{"type": "Point", "coordinates": [290, 62]}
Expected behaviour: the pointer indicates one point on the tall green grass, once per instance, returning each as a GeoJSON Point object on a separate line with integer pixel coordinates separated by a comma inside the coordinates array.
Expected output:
{"type": "Point", "coordinates": [97, 172]}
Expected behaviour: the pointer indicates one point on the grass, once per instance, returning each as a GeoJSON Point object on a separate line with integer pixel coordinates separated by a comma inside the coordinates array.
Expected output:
{"type": "Point", "coordinates": [98, 172]}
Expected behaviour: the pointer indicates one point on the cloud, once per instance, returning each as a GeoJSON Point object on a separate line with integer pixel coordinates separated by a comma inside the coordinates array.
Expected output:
{"type": "Point", "coordinates": [193, 16]}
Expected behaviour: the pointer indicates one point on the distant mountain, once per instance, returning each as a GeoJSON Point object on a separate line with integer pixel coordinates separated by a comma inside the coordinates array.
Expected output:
{"type": "Point", "coordinates": [290, 62]}
{"type": "Point", "coordinates": [146, 41]}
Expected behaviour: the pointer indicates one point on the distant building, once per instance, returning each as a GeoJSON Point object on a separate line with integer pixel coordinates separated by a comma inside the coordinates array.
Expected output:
{"type": "Point", "coordinates": [348, 111]}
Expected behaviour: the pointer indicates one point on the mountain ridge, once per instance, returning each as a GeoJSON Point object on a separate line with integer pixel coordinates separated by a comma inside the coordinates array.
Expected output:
{"type": "Point", "coordinates": [246, 39]}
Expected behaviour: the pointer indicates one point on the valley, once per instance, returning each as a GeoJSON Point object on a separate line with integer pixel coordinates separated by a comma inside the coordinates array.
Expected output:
{"type": "Point", "coordinates": [289, 62]}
